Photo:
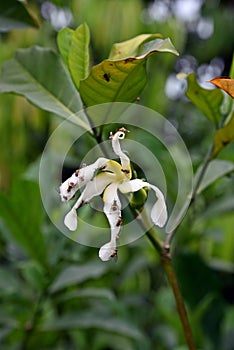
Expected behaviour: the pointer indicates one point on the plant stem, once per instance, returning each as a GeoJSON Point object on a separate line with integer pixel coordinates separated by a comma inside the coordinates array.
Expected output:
{"type": "Point", "coordinates": [170, 272]}
{"type": "Point", "coordinates": [164, 252]}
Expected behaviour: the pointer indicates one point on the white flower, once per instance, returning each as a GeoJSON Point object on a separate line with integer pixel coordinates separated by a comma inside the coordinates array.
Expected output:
{"type": "Point", "coordinates": [111, 178]}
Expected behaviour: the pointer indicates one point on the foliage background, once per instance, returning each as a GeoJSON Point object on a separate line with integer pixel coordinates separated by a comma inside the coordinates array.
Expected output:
{"type": "Point", "coordinates": [55, 294]}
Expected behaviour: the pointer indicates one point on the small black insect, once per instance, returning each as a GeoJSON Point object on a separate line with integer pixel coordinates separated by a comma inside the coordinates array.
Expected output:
{"type": "Point", "coordinates": [106, 76]}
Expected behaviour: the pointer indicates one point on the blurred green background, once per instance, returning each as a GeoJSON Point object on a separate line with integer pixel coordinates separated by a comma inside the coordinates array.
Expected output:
{"type": "Point", "coordinates": [55, 294]}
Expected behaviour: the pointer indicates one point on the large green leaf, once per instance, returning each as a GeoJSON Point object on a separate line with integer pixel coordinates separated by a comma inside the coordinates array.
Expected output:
{"type": "Point", "coordinates": [224, 136]}
{"type": "Point", "coordinates": [208, 101]}
{"type": "Point", "coordinates": [78, 274]}
{"type": "Point", "coordinates": [74, 48]}
{"type": "Point", "coordinates": [14, 15]}
{"type": "Point", "coordinates": [87, 320]}
{"type": "Point", "coordinates": [216, 169]}
{"type": "Point", "coordinates": [22, 212]}
{"type": "Point", "coordinates": [120, 80]}
{"type": "Point", "coordinates": [38, 74]}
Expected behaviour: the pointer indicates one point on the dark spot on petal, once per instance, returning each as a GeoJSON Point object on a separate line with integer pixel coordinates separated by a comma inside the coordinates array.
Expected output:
{"type": "Point", "coordinates": [114, 206]}
{"type": "Point", "coordinates": [119, 222]}
{"type": "Point", "coordinates": [70, 186]}
{"type": "Point", "coordinates": [125, 171]}
{"type": "Point", "coordinates": [114, 253]}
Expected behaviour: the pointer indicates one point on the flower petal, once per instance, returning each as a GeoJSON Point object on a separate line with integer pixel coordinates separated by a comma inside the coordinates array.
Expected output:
{"type": "Point", "coordinates": [97, 185]}
{"type": "Point", "coordinates": [108, 251]}
{"type": "Point", "coordinates": [112, 209]}
{"type": "Point", "coordinates": [92, 189]}
{"type": "Point", "coordinates": [125, 162]}
{"type": "Point", "coordinates": [132, 185]}
{"type": "Point", "coordinates": [71, 220]}
{"type": "Point", "coordinates": [80, 178]}
{"type": "Point", "coordinates": [159, 210]}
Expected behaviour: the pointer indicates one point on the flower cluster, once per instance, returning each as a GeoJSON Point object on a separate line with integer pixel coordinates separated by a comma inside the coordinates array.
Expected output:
{"type": "Point", "coordinates": [111, 178]}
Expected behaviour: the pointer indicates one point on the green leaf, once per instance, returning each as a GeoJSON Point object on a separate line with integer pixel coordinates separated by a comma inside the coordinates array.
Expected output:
{"type": "Point", "coordinates": [78, 60]}
{"type": "Point", "coordinates": [38, 74]}
{"type": "Point", "coordinates": [94, 320]}
{"type": "Point", "coordinates": [89, 293]}
{"type": "Point", "coordinates": [131, 48]}
{"type": "Point", "coordinates": [14, 15]}
{"type": "Point", "coordinates": [64, 40]}
{"type": "Point", "coordinates": [208, 101]}
{"type": "Point", "coordinates": [22, 212]}
{"type": "Point", "coordinates": [78, 274]}
{"type": "Point", "coordinates": [120, 80]}
{"type": "Point", "coordinates": [224, 136]}
{"type": "Point", "coordinates": [216, 169]}
{"type": "Point", "coordinates": [74, 48]}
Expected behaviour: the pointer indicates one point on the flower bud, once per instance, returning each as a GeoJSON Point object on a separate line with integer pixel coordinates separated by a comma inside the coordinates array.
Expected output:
{"type": "Point", "coordinates": [137, 199]}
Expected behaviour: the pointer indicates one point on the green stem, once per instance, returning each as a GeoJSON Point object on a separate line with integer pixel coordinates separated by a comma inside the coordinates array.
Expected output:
{"type": "Point", "coordinates": [165, 256]}
{"type": "Point", "coordinates": [170, 272]}
{"type": "Point", "coordinates": [166, 261]}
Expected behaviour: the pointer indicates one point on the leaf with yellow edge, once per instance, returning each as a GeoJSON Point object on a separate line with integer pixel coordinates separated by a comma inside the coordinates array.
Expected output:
{"type": "Point", "coordinates": [224, 83]}
{"type": "Point", "coordinates": [120, 80]}
{"type": "Point", "coordinates": [224, 136]}
{"type": "Point", "coordinates": [131, 47]}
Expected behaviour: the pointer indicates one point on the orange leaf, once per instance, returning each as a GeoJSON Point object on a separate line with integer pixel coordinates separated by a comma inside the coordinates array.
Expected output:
{"type": "Point", "coordinates": [224, 83]}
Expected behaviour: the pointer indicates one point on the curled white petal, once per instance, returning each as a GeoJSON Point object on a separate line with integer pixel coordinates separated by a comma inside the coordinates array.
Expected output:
{"type": "Point", "coordinates": [107, 251]}
{"type": "Point", "coordinates": [80, 178]}
{"type": "Point", "coordinates": [71, 220]}
{"type": "Point", "coordinates": [159, 210]}
{"type": "Point", "coordinates": [119, 135]}
{"type": "Point", "coordinates": [132, 185]}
